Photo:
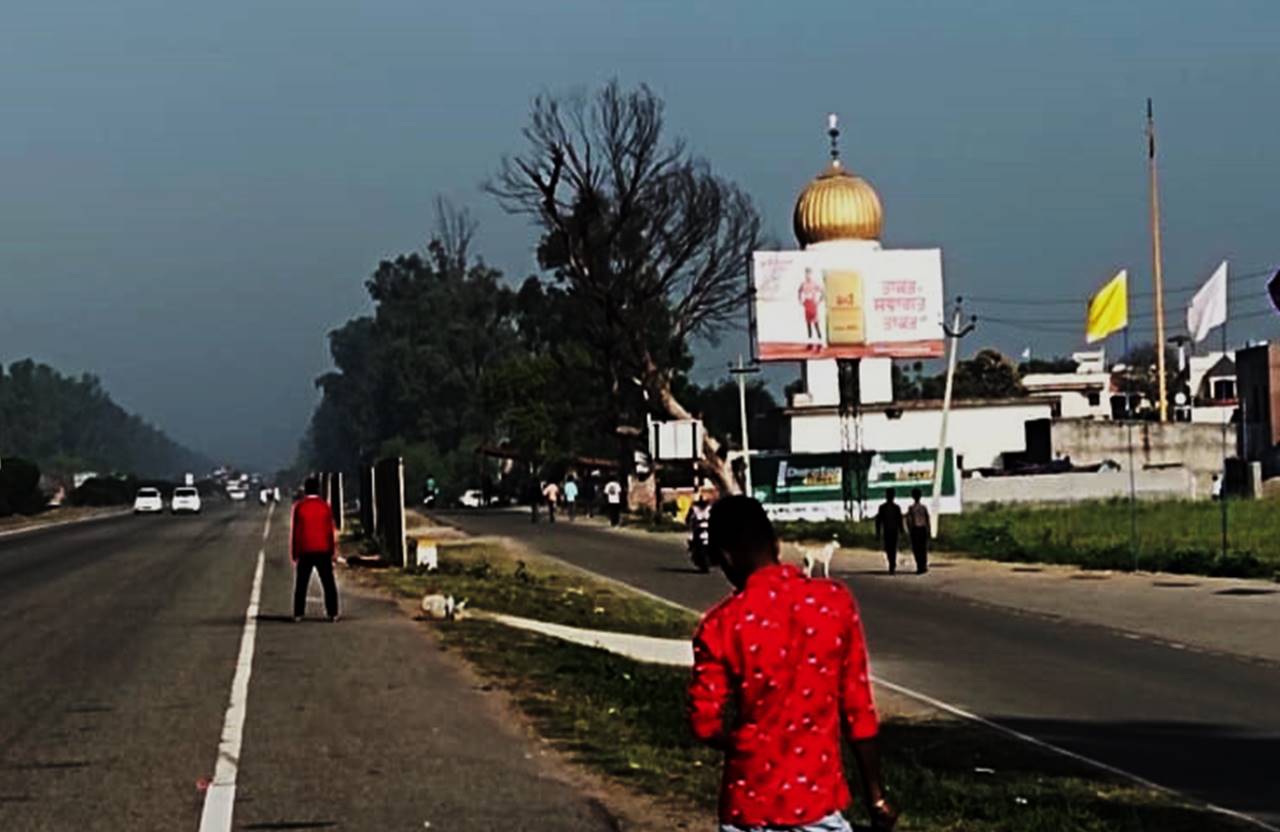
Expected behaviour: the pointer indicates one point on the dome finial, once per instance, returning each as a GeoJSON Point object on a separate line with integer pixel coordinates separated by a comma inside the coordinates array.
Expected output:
{"type": "Point", "coordinates": [833, 130]}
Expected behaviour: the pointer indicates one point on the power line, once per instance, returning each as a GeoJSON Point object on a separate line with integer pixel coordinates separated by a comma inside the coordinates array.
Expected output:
{"type": "Point", "coordinates": [1080, 301]}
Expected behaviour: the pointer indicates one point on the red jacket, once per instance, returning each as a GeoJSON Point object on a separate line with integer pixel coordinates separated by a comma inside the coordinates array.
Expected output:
{"type": "Point", "coordinates": [313, 532]}
{"type": "Point", "coordinates": [789, 652]}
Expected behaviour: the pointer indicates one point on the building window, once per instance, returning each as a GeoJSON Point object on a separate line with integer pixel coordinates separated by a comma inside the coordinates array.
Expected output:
{"type": "Point", "coordinates": [1094, 398]}
{"type": "Point", "coordinates": [1224, 389]}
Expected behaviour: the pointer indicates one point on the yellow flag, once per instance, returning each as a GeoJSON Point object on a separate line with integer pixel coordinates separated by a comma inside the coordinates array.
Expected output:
{"type": "Point", "coordinates": [1109, 309]}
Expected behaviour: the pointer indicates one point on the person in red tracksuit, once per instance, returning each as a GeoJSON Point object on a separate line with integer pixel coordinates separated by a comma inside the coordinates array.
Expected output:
{"type": "Point", "coordinates": [313, 546]}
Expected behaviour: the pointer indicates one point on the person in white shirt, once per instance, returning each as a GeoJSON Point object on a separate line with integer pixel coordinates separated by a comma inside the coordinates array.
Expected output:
{"type": "Point", "coordinates": [613, 502]}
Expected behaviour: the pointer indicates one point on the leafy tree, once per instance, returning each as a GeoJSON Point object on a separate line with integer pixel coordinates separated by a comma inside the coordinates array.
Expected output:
{"type": "Point", "coordinates": [639, 234]}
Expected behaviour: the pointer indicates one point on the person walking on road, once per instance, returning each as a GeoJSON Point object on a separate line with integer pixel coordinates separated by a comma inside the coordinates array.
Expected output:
{"type": "Point", "coordinates": [551, 493]}
{"type": "Point", "coordinates": [613, 501]}
{"type": "Point", "coordinates": [779, 717]}
{"type": "Point", "coordinates": [571, 498]}
{"type": "Point", "coordinates": [889, 523]}
{"type": "Point", "coordinates": [313, 545]}
{"type": "Point", "coordinates": [918, 531]}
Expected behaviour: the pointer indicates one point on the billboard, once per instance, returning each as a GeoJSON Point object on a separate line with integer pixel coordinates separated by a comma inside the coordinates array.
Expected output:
{"type": "Point", "coordinates": [810, 486]}
{"type": "Point", "coordinates": [843, 303]}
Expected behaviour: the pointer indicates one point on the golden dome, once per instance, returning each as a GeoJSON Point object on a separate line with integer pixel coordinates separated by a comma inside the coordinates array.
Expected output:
{"type": "Point", "coordinates": [837, 206]}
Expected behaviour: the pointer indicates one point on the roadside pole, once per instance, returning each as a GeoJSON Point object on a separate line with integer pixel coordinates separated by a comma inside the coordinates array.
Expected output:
{"type": "Point", "coordinates": [741, 372]}
{"type": "Point", "coordinates": [954, 332]}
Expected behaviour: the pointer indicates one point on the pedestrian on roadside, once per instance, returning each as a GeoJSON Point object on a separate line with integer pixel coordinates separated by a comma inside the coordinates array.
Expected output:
{"type": "Point", "coordinates": [533, 493]}
{"type": "Point", "coordinates": [551, 493]}
{"type": "Point", "coordinates": [571, 498]}
{"type": "Point", "coordinates": [613, 501]}
{"type": "Point", "coordinates": [313, 545]}
{"type": "Point", "coordinates": [780, 677]}
{"type": "Point", "coordinates": [918, 531]}
{"type": "Point", "coordinates": [889, 524]}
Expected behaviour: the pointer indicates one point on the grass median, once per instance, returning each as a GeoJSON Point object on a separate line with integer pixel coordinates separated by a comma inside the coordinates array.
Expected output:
{"type": "Point", "coordinates": [625, 719]}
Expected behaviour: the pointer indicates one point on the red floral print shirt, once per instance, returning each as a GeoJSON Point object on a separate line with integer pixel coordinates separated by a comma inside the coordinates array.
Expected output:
{"type": "Point", "coordinates": [789, 653]}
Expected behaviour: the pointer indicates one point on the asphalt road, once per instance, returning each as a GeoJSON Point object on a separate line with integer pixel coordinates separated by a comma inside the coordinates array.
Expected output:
{"type": "Point", "coordinates": [1205, 725]}
{"type": "Point", "coordinates": [118, 647]}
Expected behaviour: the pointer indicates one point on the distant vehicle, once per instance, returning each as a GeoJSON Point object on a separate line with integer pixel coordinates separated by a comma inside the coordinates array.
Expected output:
{"type": "Point", "coordinates": [148, 501]}
{"type": "Point", "coordinates": [237, 493]}
{"type": "Point", "coordinates": [472, 498]}
{"type": "Point", "coordinates": [185, 499]}
{"type": "Point", "coordinates": [188, 479]}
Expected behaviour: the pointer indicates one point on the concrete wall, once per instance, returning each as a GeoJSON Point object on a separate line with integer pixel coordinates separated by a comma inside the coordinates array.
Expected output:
{"type": "Point", "coordinates": [979, 435]}
{"type": "Point", "coordinates": [1168, 483]}
{"type": "Point", "coordinates": [1196, 447]}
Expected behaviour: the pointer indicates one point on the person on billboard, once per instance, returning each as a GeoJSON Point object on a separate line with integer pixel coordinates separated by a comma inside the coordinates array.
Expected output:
{"type": "Point", "coordinates": [811, 296]}
{"type": "Point", "coordinates": [889, 524]}
{"type": "Point", "coordinates": [780, 682]}
{"type": "Point", "coordinates": [918, 531]}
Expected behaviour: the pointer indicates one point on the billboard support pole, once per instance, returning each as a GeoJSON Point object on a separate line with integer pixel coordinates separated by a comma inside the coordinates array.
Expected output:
{"type": "Point", "coordinates": [954, 333]}
{"type": "Point", "coordinates": [741, 371]}
{"type": "Point", "coordinates": [850, 398]}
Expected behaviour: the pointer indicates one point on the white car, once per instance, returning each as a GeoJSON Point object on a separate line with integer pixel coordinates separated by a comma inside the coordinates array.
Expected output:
{"type": "Point", "coordinates": [148, 501]}
{"type": "Point", "coordinates": [185, 499]}
{"type": "Point", "coordinates": [237, 494]}
{"type": "Point", "coordinates": [472, 498]}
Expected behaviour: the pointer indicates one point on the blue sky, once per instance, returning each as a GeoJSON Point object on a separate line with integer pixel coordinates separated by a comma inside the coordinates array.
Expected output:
{"type": "Point", "coordinates": [193, 193]}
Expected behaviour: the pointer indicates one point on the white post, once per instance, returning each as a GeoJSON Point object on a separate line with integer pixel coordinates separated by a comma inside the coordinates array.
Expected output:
{"type": "Point", "coordinates": [941, 458]}
{"type": "Point", "coordinates": [742, 409]}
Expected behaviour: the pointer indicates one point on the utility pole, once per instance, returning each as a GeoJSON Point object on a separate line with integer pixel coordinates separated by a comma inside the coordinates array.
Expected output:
{"type": "Point", "coordinates": [954, 332]}
{"type": "Point", "coordinates": [1157, 263]}
{"type": "Point", "coordinates": [741, 371]}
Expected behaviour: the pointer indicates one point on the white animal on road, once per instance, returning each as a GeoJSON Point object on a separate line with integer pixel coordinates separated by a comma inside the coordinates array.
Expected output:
{"type": "Point", "coordinates": [819, 555]}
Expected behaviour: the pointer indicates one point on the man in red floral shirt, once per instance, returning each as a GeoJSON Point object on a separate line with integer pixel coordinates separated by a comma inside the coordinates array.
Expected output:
{"type": "Point", "coordinates": [788, 653]}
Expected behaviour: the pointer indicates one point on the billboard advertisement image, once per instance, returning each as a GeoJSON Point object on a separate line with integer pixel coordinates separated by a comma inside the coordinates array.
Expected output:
{"type": "Point", "coordinates": [844, 303]}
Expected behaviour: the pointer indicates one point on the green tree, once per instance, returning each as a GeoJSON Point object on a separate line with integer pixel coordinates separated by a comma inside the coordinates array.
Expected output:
{"type": "Point", "coordinates": [644, 239]}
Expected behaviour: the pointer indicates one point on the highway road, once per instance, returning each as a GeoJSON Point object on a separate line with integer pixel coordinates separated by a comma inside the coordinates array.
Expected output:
{"type": "Point", "coordinates": [1205, 725]}
{"type": "Point", "coordinates": [119, 643]}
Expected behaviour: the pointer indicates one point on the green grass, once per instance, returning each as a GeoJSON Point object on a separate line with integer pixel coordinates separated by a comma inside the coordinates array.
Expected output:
{"type": "Point", "coordinates": [495, 579]}
{"type": "Point", "coordinates": [1173, 536]}
{"type": "Point", "coordinates": [626, 720]}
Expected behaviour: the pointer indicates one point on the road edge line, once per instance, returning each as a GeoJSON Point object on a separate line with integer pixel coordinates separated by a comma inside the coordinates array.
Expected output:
{"type": "Point", "coordinates": [60, 524]}
{"type": "Point", "coordinates": [220, 797]}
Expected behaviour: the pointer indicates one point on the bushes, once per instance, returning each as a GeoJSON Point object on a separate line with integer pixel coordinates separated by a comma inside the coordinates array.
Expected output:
{"type": "Point", "coordinates": [20, 487]}
{"type": "Point", "coordinates": [105, 491]}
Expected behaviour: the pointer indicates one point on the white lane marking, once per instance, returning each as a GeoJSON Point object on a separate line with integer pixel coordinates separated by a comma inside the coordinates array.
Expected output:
{"type": "Point", "coordinates": [39, 527]}
{"type": "Point", "coordinates": [220, 798]}
{"type": "Point", "coordinates": [1018, 735]}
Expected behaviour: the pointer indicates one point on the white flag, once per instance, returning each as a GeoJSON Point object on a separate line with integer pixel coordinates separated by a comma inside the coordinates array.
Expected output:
{"type": "Point", "coordinates": [1208, 308]}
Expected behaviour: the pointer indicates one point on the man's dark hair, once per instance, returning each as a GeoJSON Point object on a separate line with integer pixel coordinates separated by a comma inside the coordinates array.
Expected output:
{"type": "Point", "coordinates": [916, 493]}
{"type": "Point", "coordinates": [311, 486]}
{"type": "Point", "coordinates": [740, 526]}
{"type": "Point", "coordinates": [889, 493]}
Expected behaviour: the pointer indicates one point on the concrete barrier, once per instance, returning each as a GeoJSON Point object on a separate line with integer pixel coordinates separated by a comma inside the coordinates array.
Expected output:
{"type": "Point", "coordinates": [1159, 484]}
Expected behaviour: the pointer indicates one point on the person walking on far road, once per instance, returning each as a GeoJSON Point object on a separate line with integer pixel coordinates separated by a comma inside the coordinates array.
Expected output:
{"type": "Point", "coordinates": [571, 498]}
{"type": "Point", "coordinates": [889, 523]}
{"type": "Point", "coordinates": [918, 530]}
{"type": "Point", "coordinates": [780, 678]}
{"type": "Point", "coordinates": [313, 545]}
{"type": "Point", "coordinates": [551, 493]}
{"type": "Point", "coordinates": [613, 501]}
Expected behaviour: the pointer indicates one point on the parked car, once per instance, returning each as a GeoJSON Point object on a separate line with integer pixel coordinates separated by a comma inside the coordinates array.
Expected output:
{"type": "Point", "coordinates": [148, 501]}
{"type": "Point", "coordinates": [185, 499]}
{"type": "Point", "coordinates": [472, 498]}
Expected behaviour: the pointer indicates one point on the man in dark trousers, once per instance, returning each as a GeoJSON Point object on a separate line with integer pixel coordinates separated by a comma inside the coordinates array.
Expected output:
{"type": "Point", "coordinates": [889, 523]}
{"type": "Point", "coordinates": [918, 529]}
{"type": "Point", "coordinates": [780, 678]}
{"type": "Point", "coordinates": [313, 546]}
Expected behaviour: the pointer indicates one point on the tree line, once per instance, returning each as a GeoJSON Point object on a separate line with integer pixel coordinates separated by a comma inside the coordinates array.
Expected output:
{"type": "Point", "coordinates": [64, 424]}
{"type": "Point", "coordinates": [642, 251]}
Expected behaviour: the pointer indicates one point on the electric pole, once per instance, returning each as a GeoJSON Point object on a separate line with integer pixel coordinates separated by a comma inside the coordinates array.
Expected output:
{"type": "Point", "coordinates": [954, 332]}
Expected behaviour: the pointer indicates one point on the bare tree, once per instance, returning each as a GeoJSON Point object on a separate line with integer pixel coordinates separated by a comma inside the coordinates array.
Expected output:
{"type": "Point", "coordinates": [454, 231]}
{"type": "Point", "coordinates": [652, 241]}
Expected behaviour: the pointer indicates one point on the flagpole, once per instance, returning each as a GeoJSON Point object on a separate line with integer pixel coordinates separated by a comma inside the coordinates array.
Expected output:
{"type": "Point", "coordinates": [1157, 264]}
{"type": "Point", "coordinates": [1128, 414]}
{"type": "Point", "coordinates": [1222, 495]}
